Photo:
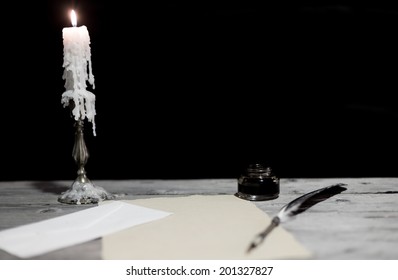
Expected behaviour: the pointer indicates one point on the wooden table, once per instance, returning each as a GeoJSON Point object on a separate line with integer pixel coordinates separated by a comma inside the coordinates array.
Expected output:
{"type": "Point", "coordinates": [360, 223]}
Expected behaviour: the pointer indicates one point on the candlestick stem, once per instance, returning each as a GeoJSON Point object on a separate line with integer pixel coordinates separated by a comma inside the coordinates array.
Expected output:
{"type": "Point", "coordinates": [80, 153]}
{"type": "Point", "coordinates": [82, 191]}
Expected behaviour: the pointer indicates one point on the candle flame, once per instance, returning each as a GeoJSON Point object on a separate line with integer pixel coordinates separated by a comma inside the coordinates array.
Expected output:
{"type": "Point", "coordinates": [73, 18]}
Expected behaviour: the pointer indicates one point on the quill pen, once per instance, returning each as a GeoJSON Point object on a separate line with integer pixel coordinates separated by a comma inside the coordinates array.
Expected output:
{"type": "Point", "coordinates": [295, 207]}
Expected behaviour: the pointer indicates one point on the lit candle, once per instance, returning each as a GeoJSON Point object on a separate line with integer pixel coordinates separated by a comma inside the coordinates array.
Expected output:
{"type": "Point", "coordinates": [78, 70]}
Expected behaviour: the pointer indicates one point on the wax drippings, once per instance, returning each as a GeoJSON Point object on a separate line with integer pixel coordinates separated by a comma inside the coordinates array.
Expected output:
{"type": "Point", "coordinates": [77, 71]}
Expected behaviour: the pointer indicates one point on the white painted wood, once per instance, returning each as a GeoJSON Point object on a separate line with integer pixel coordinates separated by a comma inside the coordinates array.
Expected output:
{"type": "Point", "coordinates": [360, 223]}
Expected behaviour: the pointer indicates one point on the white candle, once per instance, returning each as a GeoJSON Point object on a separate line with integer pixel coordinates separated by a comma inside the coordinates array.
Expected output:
{"type": "Point", "coordinates": [78, 70]}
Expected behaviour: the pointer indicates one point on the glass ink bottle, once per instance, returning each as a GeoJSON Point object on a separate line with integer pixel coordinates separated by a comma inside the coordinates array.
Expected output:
{"type": "Point", "coordinates": [258, 182]}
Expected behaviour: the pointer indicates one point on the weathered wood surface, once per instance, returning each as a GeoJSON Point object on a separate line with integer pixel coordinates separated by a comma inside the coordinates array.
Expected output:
{"type": "Point", "coordinates": [360, 223]}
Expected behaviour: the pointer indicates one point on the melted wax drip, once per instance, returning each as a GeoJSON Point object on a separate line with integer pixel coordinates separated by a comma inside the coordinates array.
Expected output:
{"type": "Point", "coordinates": [78, 70]}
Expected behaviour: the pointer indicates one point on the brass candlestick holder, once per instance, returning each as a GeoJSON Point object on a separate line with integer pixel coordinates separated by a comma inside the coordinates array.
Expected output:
{"type": "Point", "coordinates": [82, 190]}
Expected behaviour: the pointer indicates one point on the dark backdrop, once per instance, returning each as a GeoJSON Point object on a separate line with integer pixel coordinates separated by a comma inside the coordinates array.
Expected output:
{"type": "Point", "coordinates": [198, 90]}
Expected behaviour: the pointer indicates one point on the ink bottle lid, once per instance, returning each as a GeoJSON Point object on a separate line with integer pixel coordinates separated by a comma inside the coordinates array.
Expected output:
{"type": "Point", "coordinates": [258, 182]}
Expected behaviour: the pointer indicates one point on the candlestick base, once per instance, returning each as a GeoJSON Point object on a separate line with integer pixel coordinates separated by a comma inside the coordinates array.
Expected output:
{"type": "Point", "coordinates": [82, 190]}
{"type": "Point", "coordinates": [84, 193]}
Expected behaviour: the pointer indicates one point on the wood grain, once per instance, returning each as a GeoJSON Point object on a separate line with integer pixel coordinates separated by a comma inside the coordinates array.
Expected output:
{"type": "Point", "coordinates": [360, 223]}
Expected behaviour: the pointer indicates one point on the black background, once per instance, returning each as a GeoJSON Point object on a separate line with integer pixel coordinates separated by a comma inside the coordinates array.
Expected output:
{"type": "Point", "coordinates": [190, 89]}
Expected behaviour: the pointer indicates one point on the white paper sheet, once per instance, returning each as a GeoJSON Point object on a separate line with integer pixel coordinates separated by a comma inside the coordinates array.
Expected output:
{"type": "Point", "coordinates": [38, 238]}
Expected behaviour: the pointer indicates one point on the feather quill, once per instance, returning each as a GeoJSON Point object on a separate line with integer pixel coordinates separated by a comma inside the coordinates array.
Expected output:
{"type": "Point", "coordinates": [295, 207]}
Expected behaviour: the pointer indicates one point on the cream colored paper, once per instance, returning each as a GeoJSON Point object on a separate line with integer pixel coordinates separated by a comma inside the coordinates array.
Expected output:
{"type": "Point", "coordinates": [201, 227]}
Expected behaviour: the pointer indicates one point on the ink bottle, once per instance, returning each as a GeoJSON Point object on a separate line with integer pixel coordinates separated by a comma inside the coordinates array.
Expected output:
{"type": "Point", "coordinates": [258, 182]}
